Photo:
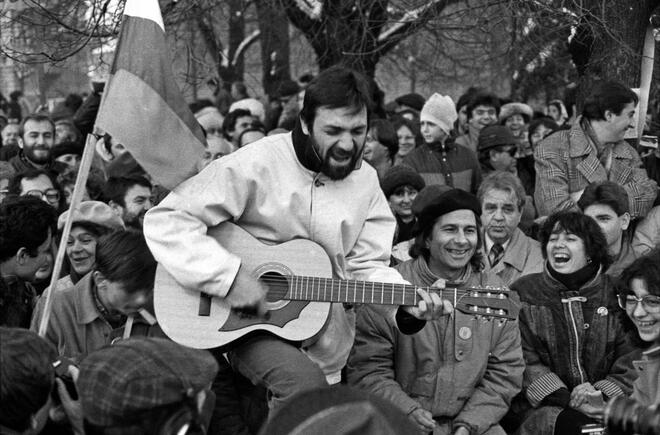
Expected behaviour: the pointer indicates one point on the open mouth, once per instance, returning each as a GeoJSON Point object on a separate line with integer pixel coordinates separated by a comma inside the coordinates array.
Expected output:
{"type": "Point", "coordinates": [561, 258]}
{"type": "Point", "coordinates": [458, 252]}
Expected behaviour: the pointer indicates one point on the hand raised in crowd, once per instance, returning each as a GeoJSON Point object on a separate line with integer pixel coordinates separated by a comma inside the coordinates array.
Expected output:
{"type": "Point", "coordinates": [71, 408]}
{"type": "Point", "coordinates": [431, 306]}
{"type": "Point", "coordinates": [588, 400]}
{"type": "Point", "coordinates": [423, 419]}
{"type": "Point", "coordinates": [247, 295]}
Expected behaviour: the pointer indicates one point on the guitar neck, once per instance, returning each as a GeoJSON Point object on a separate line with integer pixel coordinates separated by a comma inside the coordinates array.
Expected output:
{"type": "Point", "coordinates": [308, 288]}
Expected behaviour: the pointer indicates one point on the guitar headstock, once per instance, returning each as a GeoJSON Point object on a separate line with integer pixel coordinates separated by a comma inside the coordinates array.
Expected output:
{"type": "Point", "coordinates": [494, 302]}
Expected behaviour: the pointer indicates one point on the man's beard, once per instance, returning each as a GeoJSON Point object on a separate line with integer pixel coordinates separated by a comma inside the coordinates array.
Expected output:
{"type": "Point", "coordinates": [333, 171]}
{"type": "Point", "coordinates": [38, 154]}
{"type": "Point", "coordinates": [134, 221]}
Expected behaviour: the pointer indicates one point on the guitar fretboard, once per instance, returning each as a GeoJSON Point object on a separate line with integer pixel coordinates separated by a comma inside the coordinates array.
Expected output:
{"type": "Point", "coordinates": [309, 288]}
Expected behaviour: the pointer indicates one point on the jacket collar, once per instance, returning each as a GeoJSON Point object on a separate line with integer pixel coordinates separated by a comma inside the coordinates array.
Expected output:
{"type": "Point", "coordinates": [512, 253]}
{"type": "Point", "coordinates": [85, 307]}
{"type": "Point", "coordinates": [582, 142]}
{"type": "Point", "coordinates": [305, 152]}
{"type": "Point", "coordinates": [590, 288]}
{"type": "Point", "coordinates": [421, 268]}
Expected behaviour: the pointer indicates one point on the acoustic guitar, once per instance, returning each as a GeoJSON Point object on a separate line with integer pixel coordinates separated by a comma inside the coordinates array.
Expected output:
{"type": "Point", "coordinates": [298, 275]}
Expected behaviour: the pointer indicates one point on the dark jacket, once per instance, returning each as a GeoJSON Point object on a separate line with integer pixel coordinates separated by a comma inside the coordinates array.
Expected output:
{"type": "Point", "coordinates": [571, 337]}
{"type": "Point", "coordinates": [17, 299]}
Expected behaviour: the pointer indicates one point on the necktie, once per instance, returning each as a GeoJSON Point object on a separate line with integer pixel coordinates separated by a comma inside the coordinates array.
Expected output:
{"type": "Point", "coordinates": [496, 254]}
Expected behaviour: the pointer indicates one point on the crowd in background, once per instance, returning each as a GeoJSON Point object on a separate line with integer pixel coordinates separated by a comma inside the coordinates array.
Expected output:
{"type": "Point", "coordinates": [560, 208]}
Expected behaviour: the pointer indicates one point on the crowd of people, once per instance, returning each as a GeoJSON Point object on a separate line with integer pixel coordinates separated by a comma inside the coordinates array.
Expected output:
{"type": "Point", "coordinates": [531, 239]}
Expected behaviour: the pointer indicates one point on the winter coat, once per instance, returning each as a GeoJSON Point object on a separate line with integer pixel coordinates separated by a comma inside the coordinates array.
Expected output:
{"type": "Point", "coordinates": [568, 338]}
{"type": "Point", "coordinates": [462, 368]}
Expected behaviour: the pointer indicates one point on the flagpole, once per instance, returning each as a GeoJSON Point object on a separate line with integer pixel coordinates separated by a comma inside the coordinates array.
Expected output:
{"type": "Point", "coordinates": [645, 83]}
{"type": "Point", "coordinates": [76, 198]}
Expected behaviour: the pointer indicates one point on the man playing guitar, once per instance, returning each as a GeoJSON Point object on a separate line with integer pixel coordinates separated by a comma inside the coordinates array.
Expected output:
{"type": "Point", "coordinates": [307, 184]}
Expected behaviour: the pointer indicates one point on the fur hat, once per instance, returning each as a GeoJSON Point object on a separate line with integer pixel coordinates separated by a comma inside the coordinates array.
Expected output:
{"type": "Point", "coordinates": [440, 110]}
{"type": "Point", "coordinates": [511, 109]}
{"type": "Point", "coordinates": [400, 175]}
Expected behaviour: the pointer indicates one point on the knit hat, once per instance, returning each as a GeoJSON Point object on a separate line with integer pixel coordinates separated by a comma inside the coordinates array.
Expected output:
{"type": "Point", "coordinates": [338, 410]}
{"type": "Point", "coordinates": [439, 110]}
{"type": "Point", "coordinates": [118, 383]}
{"type": "Point", "coordinates": [493, 136]}
{"type": "Point", "coordinates": [413, 100]}
{"type": "Point", "coordinates": [400, 175]}
{"type": "Point", "coordinates": [125, 166]}
{"type": "Point", "coordinates": [95, 212]}
{"type": "Point", "coordinates": [511, 109]}
{"type": "Point", "coordinates": [446, 202]}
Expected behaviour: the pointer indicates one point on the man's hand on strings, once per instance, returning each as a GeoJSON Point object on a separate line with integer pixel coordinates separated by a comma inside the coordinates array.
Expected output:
{"type": "Point", "coordinates": [247, 295]}
{"type": "Point", "coordinates": [431, 305]}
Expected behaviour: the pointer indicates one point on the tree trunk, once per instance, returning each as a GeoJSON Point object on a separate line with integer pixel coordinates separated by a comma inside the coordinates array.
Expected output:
{"type": "Point", "coordinates": [274, 27]}
{"type": "Point", "coordinates": [609, 42]}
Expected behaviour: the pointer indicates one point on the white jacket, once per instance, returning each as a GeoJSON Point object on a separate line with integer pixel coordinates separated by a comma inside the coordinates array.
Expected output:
{"type": "Point", "coordinates": [265, 189]}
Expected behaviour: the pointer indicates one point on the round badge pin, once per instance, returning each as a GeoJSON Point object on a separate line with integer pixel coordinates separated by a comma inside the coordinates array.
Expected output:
{"type": "Point", "coordinates": [602, 311]}
{"type": "Point", "coordinates": [465, 333]}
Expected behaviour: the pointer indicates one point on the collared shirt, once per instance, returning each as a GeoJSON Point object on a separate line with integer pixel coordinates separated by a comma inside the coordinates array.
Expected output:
{"type": "Point", "coordinates": [522, 256]}
{"type": "Point", "coordinates": [489, 243]}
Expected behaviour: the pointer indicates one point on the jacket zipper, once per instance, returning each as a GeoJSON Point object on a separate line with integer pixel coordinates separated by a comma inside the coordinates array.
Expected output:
{"type": "Point", "coordinates": [577, 337]}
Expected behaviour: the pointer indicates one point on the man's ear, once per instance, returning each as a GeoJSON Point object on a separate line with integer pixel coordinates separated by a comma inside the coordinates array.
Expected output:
{"type": "Point", "coordinates": [625, 221]}
{"type": "Point", "coordinates": [22, 255]}
{"type": "Point", "coordinates": [608, 115]}
{"type": "Point", "coordinates": [98, 278]}
{"type": "Point", "coordinates": [20, 142]}
{"type": "Point", "coordinates": [303, 126]}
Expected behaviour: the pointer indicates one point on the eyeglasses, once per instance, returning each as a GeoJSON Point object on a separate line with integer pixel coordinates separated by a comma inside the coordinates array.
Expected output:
{"type": "Point", "coordinates": [512, 150]}
{"type": "Point", "coordinates": [650, 303]}
{"type": "Point", "coordinates": [52, 195]}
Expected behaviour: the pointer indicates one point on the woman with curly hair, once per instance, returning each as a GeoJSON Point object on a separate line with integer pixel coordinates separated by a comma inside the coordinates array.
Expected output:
{"type": "Point", "coordinates": [577, 352]}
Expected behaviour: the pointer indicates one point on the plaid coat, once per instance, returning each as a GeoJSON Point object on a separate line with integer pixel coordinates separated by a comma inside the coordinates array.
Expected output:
{"type": "Point", "coordinates": [566, 162]}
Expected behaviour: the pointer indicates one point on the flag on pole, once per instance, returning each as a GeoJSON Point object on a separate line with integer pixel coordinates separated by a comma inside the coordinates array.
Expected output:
{"type": "Point", "coordinates": [142, 106]}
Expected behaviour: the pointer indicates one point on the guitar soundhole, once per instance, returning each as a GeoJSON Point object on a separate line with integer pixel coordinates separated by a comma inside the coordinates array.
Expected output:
{"type": "Point", "coordinates": [278, 286]}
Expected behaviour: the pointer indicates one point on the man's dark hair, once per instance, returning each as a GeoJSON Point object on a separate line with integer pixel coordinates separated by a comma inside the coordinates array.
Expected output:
{"type": "Point", "coordinates": [464, 99]}
{"type": "Point", "coordinates": [124, 257]}
{"type": "Point", "coordinates": [116, 187]}
{"type": "Point", "coordinates": [419, 244]}
{"type": "Point", "coordinates": [582, 226]}
{"type": "Point", "coordinates": [14, 186]}
{"type": "Point", "coordinates": [24, 223]}
{"type": "Point", "coordinates": [646, 268]}
{"type": "Point", "coordinates": [26, 376]}
{"type": "Point", "coordinates": [610, 95]}
{"type": "Point", "coordinates": [606, 193]}
{"type": "Point", "coordinates": [483, 99]}
{"type": "Point", "coordinates": [333, 88]}
{"type": "Point", "coordinates": [37, 117]}
{"type": "Point", "coordinates": [383, 131]}
{"type": "Point", "coordinates": [229, 123]}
